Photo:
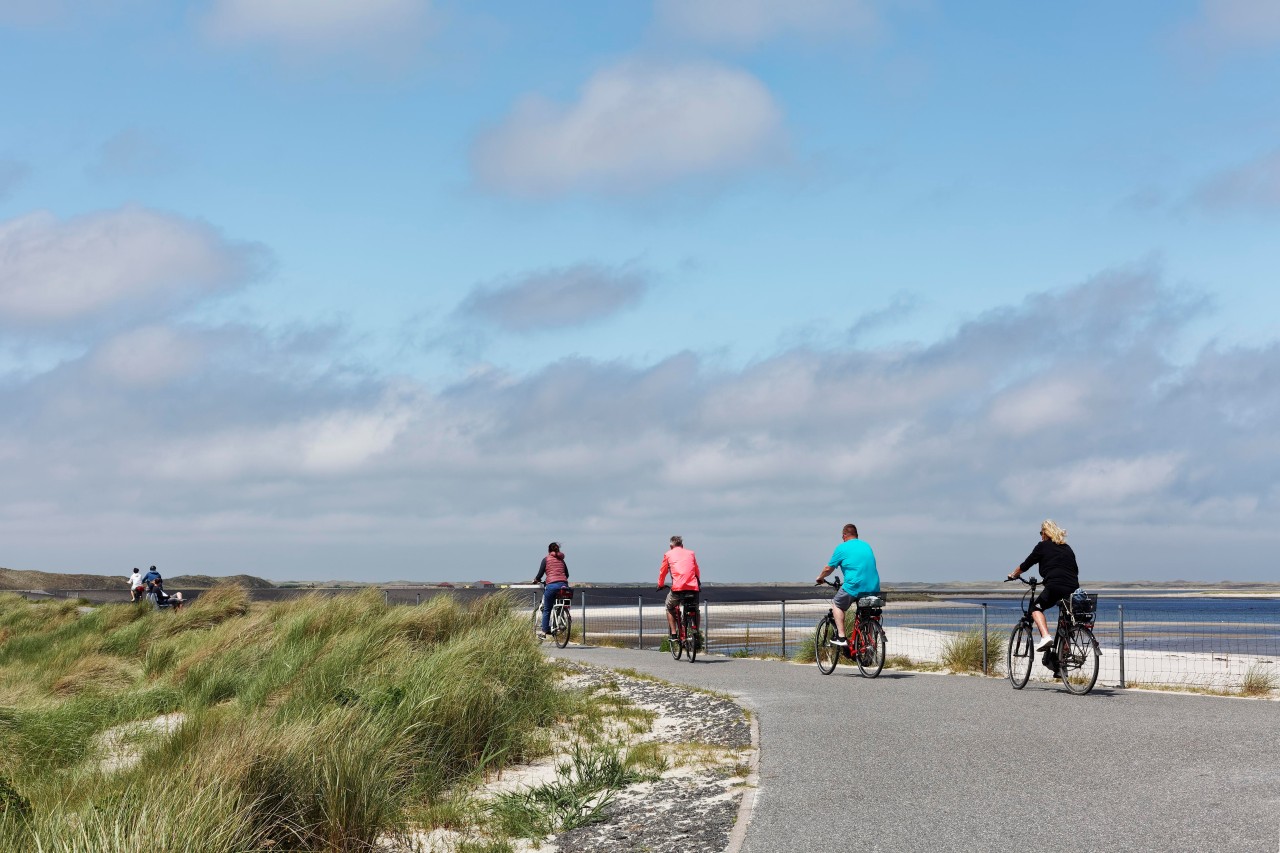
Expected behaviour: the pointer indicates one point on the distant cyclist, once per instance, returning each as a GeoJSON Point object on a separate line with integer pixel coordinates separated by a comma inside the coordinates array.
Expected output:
{"type": "Point", "coordinates": [856, 561]}
{"type": "Point", "coordinates": [135, 584]}
{"type": "Point", "coordinates": [555, 571]}
{"type": "Point", "coordinates": [1058, 570]}
{"type": "Point", "coordinates": [686, 581]}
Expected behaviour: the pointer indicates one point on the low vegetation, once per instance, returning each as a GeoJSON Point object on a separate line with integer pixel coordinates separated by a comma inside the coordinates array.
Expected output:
{"type": "Point", "coordinates": [1260, 680]}
{"type": "Point", "coordinates": [963, 652]}
{"type": "Point", "coordinates": [320, 723]}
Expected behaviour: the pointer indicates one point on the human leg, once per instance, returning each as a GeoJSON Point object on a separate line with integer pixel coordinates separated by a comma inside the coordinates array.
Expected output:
{"type": "Point", "coordinates": [842, 602]}
{"type": "Point", "coordinates": [548, 599]}
{"type": "Point", "coordinates": [673, 614]}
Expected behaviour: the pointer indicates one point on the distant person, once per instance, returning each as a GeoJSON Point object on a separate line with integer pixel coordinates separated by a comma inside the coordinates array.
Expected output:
{"type": "Point", "coordinates": [1058, 570]}
{"type": "Point", "coordinates": [556, 575]}
{"type": "Point", "coordinates": [135, 584]}
{"type": "Point", "coordinates": [152, 579]}
{"type": "Point", "coordinates": [686, 582]}
{"type": "Point", "coordinates": [856, 561]}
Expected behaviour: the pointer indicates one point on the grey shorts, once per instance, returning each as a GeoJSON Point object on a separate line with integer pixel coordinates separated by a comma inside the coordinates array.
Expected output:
{"type": "Point", "coordinates": [675, 598]}
{"type": "Point", "coordinates": [843, 600]}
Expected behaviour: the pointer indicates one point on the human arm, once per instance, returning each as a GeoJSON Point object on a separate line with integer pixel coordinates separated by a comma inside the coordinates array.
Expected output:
{"type": "Point", "coordinates": [1032, 559]}
{"type": "Point", "coordinates": [697, 573]}
{"type": "Point", "coordinates": [542, 570]}
{"type": "Point", "coordinates": [662, 572]}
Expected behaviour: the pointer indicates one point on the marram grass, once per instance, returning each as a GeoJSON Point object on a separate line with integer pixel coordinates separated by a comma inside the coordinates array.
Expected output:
{"type": "Point", "coordinates": [320, 723]}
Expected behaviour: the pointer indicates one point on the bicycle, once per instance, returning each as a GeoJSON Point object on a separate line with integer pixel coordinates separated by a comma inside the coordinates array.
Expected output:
{"type": "Point", "coordinates": [687, 635]}
{"type": "Point", "coordinates": [866, 642]}
{"type": "Point", "coordinates": [561, 619]}
{"type": "Point", "coordinates": [1074, 652]}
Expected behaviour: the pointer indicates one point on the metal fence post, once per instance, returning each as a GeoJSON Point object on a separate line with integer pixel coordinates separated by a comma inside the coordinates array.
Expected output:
{"type": "Point", "coordinates": [706, 643]}
{"type": "Point", "coordinates": [417, 598]}
{"type": "Point", "coordinates": [386, 593]}
{"type": "Point", "coordinates": [784, 627]}
{"type": "Point", "coordinates": [1121, 620]}
{"type": "Point", "coordinates": [640, 622]}
{"type": "Point", "coordinates": [582, 619]}
{"type": "Point", "coordinates": [984, 638]}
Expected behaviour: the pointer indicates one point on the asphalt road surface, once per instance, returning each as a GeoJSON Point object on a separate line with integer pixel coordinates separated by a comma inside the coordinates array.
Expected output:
{"type": "Point", "coordinates": [943, 763]}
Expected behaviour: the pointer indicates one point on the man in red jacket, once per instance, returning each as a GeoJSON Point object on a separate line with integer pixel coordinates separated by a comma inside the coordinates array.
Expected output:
{"type": "Point", "coordinates": [685, 581]}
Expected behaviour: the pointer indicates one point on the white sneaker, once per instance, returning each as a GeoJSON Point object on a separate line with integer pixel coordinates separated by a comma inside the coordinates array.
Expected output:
{"type": "Point", "coordinates": [1044, 644]}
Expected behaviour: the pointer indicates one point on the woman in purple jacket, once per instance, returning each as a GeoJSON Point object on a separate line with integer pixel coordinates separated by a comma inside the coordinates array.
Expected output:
{"type": "Point", "coordinates": [557, 578]}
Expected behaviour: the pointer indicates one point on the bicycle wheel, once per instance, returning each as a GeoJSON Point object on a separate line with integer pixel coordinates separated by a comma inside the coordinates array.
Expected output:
{"type": "Point", "coordinates": [562, 622]}
{"type": "Point", "coordinates": [677, 646]}
{"type": "Point", "coordinates": [826, 655]}
{"type": "Point", "coordinates": [691, 636]}
{"type": "Point", "coordinates": [1020, 656]}
{"type": "Point", "coordinates": [1078, 669]}
{"type": "Point", "coordinates": [871, 644]}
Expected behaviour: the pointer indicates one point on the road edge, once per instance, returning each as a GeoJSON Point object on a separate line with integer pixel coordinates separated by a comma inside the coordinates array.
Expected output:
{"type": "Point", "coordinates": [747, 808]}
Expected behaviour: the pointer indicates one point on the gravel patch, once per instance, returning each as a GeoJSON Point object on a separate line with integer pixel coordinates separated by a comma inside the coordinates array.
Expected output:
{"type": "Point", "coordinates": [695, 804]}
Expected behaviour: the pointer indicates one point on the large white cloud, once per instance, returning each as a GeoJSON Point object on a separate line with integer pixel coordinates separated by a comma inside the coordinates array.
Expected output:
{"type": "Point", "coordinates": [745, 23]}
{"type": "Point", "coordinates": [374, 29]}
{"type": "Point", "coordinates": [130, 260]}
{"type": "Point", "coordinates": [636, 127]}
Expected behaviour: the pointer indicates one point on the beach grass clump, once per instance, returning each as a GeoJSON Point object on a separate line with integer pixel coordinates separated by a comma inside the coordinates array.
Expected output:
{"type": "Point", "coordinates": [321, 723]}
{"type": "Point", "coordinates": [1260, 680]}
{"type": "Point", "coordinates": [804, 652]}
{"type": "Point", "coordinates": [963, 652]}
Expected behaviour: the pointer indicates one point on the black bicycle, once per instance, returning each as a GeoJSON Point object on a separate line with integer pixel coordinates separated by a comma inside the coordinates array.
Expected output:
{"type": "Point", "coordinates": [865, 643]}
{"type": "Point", "coordinates": [687, 636]}
{"type": "Point", "coordinates": [1074, 653]}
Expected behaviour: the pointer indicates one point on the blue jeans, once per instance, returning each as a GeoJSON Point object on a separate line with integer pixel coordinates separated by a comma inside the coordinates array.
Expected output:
{"type": "Point", "coordinates": [548, 598]}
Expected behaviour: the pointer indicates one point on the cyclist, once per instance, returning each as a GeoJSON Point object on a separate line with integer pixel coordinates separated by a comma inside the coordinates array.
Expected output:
{"type": "Point", "coordinates": [856, 561]}
{"type": "Point", "coordinates": [555, 571]}
{"type": "Point", "coordinates": [686, 581]}
{"type": "Point", "coordinates": [135, 584]}
{"type": "Point", "coordinates": [1058, 570]}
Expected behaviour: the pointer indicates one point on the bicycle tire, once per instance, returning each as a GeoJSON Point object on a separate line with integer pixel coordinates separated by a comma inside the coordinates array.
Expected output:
{"type": "Point", "coordinates": [1078, 668]}
{"type": "Point", "coordinates": [691, 636]}
{"type": "Point", "coordinates": [677, 646]}
{"type": "Point", "coordinates": [871, 658]}
{"type": "Point", "coordinates": [825, 654]}
{"type": "Point", "coordinates": [563, 626]}
{"type": "Point", "coordinates": [1020, 656]}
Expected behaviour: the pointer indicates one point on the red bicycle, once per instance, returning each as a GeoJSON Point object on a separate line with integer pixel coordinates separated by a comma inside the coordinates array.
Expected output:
{"type": "Point", "coordinates": [866, 640]}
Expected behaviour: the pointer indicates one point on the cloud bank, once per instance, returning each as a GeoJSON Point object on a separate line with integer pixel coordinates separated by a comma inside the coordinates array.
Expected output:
{"type": "Point", "coordinates": [377, 30]}
{"type": "Point", "coordinates": [240, 448]}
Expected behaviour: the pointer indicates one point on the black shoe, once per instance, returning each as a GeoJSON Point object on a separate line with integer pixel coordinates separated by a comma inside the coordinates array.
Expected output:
{"type": "Point", "coordinates": [673, 637]}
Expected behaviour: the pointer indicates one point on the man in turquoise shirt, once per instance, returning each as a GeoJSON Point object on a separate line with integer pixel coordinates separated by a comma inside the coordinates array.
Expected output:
{"type": "Point", "coordinates": [855, 560]}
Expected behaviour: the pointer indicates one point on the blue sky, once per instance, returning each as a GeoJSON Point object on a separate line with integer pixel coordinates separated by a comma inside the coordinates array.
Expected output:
{"type": "Point", "coordinates": [405, 289]}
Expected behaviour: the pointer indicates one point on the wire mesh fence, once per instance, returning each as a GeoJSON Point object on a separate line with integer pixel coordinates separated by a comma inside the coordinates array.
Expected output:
{"type": "Point", "coordinates": [1216, 647]}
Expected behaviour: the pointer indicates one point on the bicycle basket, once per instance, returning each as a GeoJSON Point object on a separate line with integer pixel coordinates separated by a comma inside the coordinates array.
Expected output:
{"type": "Point", "coordinates": [871, 602]}
{"type": "Point", "coordinates": [1084, 607]}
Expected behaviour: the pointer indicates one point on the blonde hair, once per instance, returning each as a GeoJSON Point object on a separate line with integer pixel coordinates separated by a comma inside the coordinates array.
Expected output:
{"type": "Point", "coordinates": [1056, 534]}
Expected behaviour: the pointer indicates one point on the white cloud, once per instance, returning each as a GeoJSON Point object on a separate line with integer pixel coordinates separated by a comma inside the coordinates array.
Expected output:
{"type": "Point", "coordinates": [376, 29]}
{"type": "Point", "coordinates": [635, 128]}
{"type": "Point", "coordinates": [745, 23]}
{"type": "Point", "coordinates": [1098, 482]}
{"type": "Point", "coordinates": [126, 261]}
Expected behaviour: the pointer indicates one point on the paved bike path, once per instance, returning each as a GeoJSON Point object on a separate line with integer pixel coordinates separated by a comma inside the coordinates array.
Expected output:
{"type": "Point", "coordinates": [917, 761]}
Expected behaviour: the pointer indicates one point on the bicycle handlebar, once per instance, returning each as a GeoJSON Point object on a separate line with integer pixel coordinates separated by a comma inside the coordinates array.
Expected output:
{"type": "Point", "coordinates": [1031, 582]}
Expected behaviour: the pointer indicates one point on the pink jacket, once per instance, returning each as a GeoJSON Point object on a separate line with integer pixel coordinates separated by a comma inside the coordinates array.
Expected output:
{"type": "Point", "coordinates": [683, 565]}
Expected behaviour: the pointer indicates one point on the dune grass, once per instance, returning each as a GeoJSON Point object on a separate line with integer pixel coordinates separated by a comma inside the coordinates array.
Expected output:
{"type": "Point", "coordinates": [1260, 680]}
{"type": "Point", "coordinates": [320, 723]}
{"type": "Point", "coordinates": [963, 652]}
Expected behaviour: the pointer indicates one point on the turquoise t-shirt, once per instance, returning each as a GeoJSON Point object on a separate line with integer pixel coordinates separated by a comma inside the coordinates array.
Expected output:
{"type": "Point", "coordinates": [855, 560]}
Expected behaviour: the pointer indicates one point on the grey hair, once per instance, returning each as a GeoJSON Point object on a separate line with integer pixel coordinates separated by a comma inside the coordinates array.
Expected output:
{"type": "Point", "coordinates": [677, 541]}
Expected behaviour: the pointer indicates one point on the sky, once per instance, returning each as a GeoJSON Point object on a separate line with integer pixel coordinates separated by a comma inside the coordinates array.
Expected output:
{"type": "Point", "coordinates": [406, 289]}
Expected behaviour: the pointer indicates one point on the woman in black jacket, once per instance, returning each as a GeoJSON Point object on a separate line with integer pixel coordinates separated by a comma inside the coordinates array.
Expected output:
{"type": "Point", "coordinates": [1059, 571]}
